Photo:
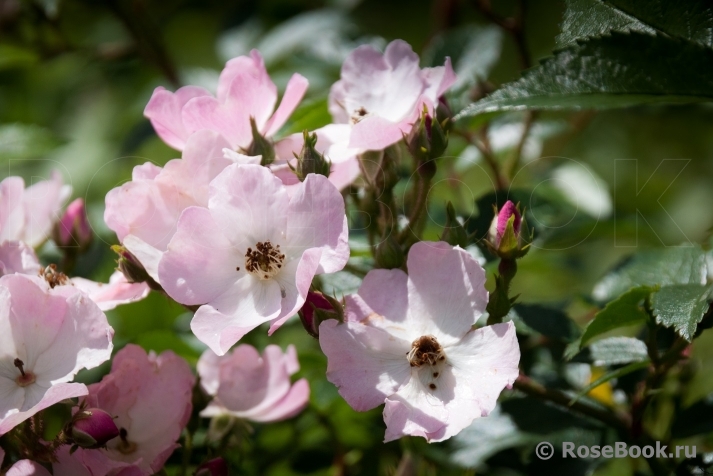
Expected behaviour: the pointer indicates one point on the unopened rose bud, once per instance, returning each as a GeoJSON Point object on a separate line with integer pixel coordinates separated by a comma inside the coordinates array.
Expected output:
{"type": "Point", "coordinates": [507, 234]}
{"type": "Point", "coordinates": [92, 428]}
{"type": "Point", "coordinates": [316, 309]}
{"type": "Point", "coordinates": [73, 229]}
{"type": "Point", "coordinates": [389, 254]}
{"type": "Point", "coordinates": [428, 141]}
{"type": "Point", "coordinates": [214, 467]}
{"type": "Point", "coordinates": [260, 145]}
{"type": "Point", "coordinates": [454, 234]}
{"type": "Point", "coordinates": [132, 269]}
{"type": "Point", "coordinates": [310, 161]}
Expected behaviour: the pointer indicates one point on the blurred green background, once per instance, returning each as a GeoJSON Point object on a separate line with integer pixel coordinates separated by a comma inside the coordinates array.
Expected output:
{"type": "Point", "coordinates": [76, 75]}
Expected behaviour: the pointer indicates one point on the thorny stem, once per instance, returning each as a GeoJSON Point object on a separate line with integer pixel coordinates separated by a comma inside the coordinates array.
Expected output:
{"type": "Point", "coordinates": [512, 166]}
{"type": "Point", "coordinates": [514, 26]}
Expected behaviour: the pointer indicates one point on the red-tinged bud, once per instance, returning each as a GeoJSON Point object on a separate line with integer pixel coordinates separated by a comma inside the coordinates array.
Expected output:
{"type": "Point", "coordinates": [310, 161]}
{"type": "Point", "coordinates": [318, 308]}
{"type": "Point", "coordinates": [508, 233]}
{"type": "Point", "coordinates": [92, 428]}
{"type": "Point", "coordinates": [132, 269]}
{"type": "Point", "coordinates": [73, 229]}
{"type": "Point", "coordinates": [214, 467]}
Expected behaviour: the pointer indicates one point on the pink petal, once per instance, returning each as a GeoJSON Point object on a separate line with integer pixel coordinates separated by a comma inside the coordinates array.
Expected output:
{"type": "Point", "coordinates": [382, 301]}
{"type": "Point", "coordinates": [164, 112]}
{"type": "Point", "coordinates": [26, 467]}
{"type": "Point", "coordinates": [43, 202]}
{"type": "Point", "coordinates": [438, 80]}
{"type": "Point", "coordinates": [68, 464]}
{"type": "Point", "coordinates": [116, 292]}
{"type": "Point", "coordinates": [250, 93]}
{"type": "Point", "coordinates": [295, 279]}
{"type": "Point", "coordinates": [293, 403]}
{"type": "Point", "coordinates": [367, 364]}
{"type": "Point", "coordinates": [448, 285]}
{"type": "Point", "coordinates": [251, 202]}
{"type": "Point", "coordinates": [377, 133]}
{"type": "Point", "coordinates": [252, 65]}
{"type": "Point", "coordinates": [249, 303]}
{"type": "Point", "coordinates": [200, 263]}
{"type": "Point", "coordinates": [17, 257]}
{"type": "Point", "coordinates": [12, 215]}
{"type": "Point", "coordinates": [316, 219]}
{"type": "Point", "coordinates": [54, 394]}
{"type": "Point", "coordinates": [294, 92]}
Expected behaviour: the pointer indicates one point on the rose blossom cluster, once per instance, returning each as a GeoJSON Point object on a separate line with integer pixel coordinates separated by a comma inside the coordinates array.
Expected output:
{"type": "Point", "coordinates": [237, 229]}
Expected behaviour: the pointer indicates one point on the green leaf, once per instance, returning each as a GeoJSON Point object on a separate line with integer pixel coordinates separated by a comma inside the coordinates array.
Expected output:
{"type": "Point", "coordinates": [691, 20]}
{"type": "Point", "coordinates": [694, 420]}
{"type": "Point", "coordinates": [626, 310]}
{"type": "Point", "coordinates": [618, 70]}
{"type": "Point", "coordinates": [548, 321]}
{"type": "Point", "coordinates": [681, 307]}
{"type": "Point", "coordinates": [25, 141]}
{"type": "Point", "coordinates": [585, 18]}
{"type": "Point", "coordinates": [609, 376]}
{"type": "Point", "coordinates": [614, 351]}
{"type": "Point", "coordinates": [656, 267]}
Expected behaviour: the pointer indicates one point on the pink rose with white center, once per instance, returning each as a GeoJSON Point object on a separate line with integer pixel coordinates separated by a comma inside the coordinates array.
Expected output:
{"type": "Point", "coordinates": [28, 214]}
{"type": "Point", "coordinates": [332, 141]}
{"type": "Point", "coordinates": [150, 396]}
{"type": "Point", "coordinates": [245, 90]}
{"type": "Point", "coordinates": [381, 95]}
{"type": "Point", "coordinates": [246, 385]}
{"type": "Point", "coordinates": [46, 337]}
{"type": "Point", "coordinates": [408, 341]}
{"type": "Point", "coordinates": [250, 256]}
{"type": "Point", "coordinates": [143, 212]}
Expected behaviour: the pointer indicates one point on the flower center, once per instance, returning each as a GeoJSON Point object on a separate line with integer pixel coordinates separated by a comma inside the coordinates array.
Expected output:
{"type": "Point", "coordinates": [425, 351]}
{"type": "Point", "coordinates": [25, 378]}
{"type": "Point", "coordinates": [265, 261]}
{"type": "Point", "coordinates": [359, 114]}
{"type": "Point", "coordinates": [125, 446]}
{"type": "Point", "coordinates": [54, 277]}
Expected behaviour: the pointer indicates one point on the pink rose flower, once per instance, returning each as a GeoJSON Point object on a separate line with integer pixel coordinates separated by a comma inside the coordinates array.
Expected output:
{"type": "Point", "coordinates": [408, 341]}
{"type": "Point", "coordinates": [245, 90]}
{"type": "Point", "coordinates": [253, 387]}
{"type": "Point", "coordinates": [46, 336]}
{"type": "Point", "coordinates": [250, 256]}
{"type": "Point", "coordinates": [27, 214]}
{"type": "Point", "coordinates": [143, 212]}
{"type": "Point", "coordinates": [382, 95]}
{"type": "Point", "coordinates": [150, 396]}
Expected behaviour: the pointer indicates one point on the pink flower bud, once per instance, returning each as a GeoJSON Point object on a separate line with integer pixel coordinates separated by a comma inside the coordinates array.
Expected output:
{"type": "Point", "coordinates": [214, 467]}
{"type": "Point", "coordinates": [73, 229]}
{"type": "Point", "coordinates": [92, 428]}
{"type": "Point", "coordinates": [501, 223]}
{"type": "Point", "coordinates": [313, 302]}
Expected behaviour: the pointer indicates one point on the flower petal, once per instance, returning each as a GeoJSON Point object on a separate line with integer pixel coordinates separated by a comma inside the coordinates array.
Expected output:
{"type": "Point", "coordinates": [377, 133]}
{"type": "Point", "coordinates": [294, 92]}
{"type": "Point", "coordinates": [164, 112]}
{"type": "Point", "coordinates": [316, 219]}
{"type": "Point", "coordinates": [367, 364]}
{"type": "Point", "coordinates": [200, 264]}
{"type": "Point", "coordinates": [446, 290]}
